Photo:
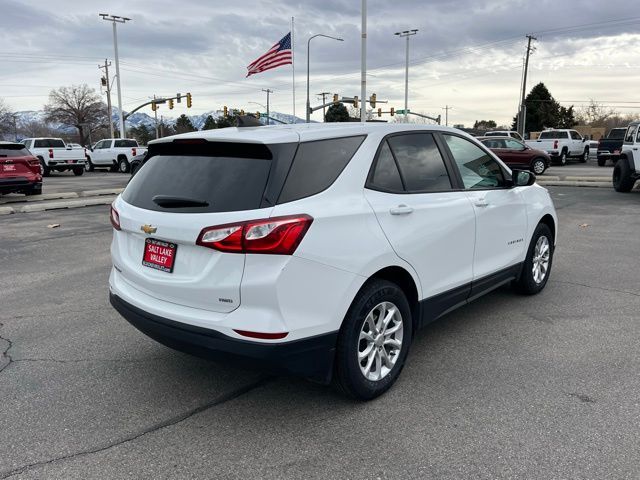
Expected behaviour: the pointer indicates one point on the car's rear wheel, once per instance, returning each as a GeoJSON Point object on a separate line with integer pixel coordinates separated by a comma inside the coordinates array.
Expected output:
{"type": "Point", "coordinates": [374, 340]}
{"type": "Point", "coordinates": [622, 179]}
{"type": "Point", "coordinates": [537, 264]}
{"type": "Point", "coordinates": [602, 161]}
{"type": "Point", "coordinates": [77, 171]}
{"type": "Point", "coordinates": [123, 165]}
{"type": "Point", "coordinates": [563, 158]}
{"type": "Point", "coordinates": [538, 166]}
{"type": "Point", "coordinates": [46, 171]}
{"type": "Point", "coordinates": [35, 190]}
{"type": "Point", "coordinates": [88, 166]}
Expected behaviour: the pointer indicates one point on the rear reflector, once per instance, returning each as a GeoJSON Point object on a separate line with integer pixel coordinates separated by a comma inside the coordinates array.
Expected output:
{"type": "Point", "coordinates": [263, 336]}
{"type": "Point", "coordinates": [51, 153]}
{"type": "Point", "coordinates": [275, 236]}
{"type": "Point", "coordinates": [115, 218]}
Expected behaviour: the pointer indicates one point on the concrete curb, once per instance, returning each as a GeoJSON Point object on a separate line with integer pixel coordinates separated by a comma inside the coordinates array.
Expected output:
{"type": "Point", "coordinates": [587, 179]}
{"type": "Point", "coordinates": [565, 183]}
{"type": "Point", "coordinates": [105, 191]}
{"type": "Point", "coordinates": [87, 202]}
{"type": "Point", "coordinates": [6, 211]}
{"type": "Point", "coordinates": [39, 198]}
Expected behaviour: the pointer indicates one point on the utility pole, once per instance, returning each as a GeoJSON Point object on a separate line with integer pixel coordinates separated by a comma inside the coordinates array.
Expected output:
{"type": "Point", "coordinates": [324, 109]}
{"type": "Point", "coordinates": [155, 113]}
{"type": "Point", "coordinates": [363, 63]}
{"type": "Point", "coordinates": [116, 19]}
{"type": "Point", "coordinates": [108, 86]}
{"type": "Point", "coordinates": [524, 84]}
{"type": "Point", "coordinates": [15, 127]}
{"type": "Point", "coordinates": [267, 91]}
{"type": "Point", "coordinates": [446, 115]}
{"type": "Point", "coordinates": [407, 34]}
{"type": "Point", "coordinates": [161, 126]}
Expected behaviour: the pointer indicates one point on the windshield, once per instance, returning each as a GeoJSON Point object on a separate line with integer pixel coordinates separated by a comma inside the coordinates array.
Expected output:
{"type": "Point", "coordinates": [617, 133]}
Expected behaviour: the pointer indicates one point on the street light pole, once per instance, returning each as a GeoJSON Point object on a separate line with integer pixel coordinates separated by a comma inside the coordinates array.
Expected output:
{"type": "Point", "coordinates": [308, 116]}
{"type": "Point", "coordinates": [406, 34]}
{"type": "Point", "coordinates": [363, 62]}
{"type": "Point", "coordinates": [117, 19]}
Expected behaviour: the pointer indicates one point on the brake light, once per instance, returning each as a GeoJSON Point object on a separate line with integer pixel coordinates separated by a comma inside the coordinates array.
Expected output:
{"type": "Point", "coordinates": [115, 218]}
{"type": "Point", "coordinates": [276, 236]}
{"type": "Point", "coordinates": [133, 151]}
{"type": "Point", "coordinates": [555, 144]}
{"type": "Point", "coordinates": [51, 153]}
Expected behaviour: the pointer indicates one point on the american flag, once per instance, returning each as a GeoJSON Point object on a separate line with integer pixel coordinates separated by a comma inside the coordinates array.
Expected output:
{"type": "Point", "coordinates": [278, 55]}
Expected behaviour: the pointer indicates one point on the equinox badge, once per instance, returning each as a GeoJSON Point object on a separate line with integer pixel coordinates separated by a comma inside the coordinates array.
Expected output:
{"type": "Point", "coordinates": [148, 229]}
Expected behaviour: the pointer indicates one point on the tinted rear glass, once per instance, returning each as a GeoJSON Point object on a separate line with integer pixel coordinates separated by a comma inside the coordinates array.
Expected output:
{"type": "Point", "coordinates": [618, 133]}
{"type": "Point", "coordinates": [125, 143]}
{"type": "Point", "coordinates": [496, 134]}
{"type": "Point", "coordinates": [49, 143]}
{"type": "Point", "coordinates": [317, 165]}
{"type": "Point", "coordinates": [226, 184]}
{"type": "Point", "coordinates": [17, 150]}
{"type": "Point", "coordinates": [552, 135]}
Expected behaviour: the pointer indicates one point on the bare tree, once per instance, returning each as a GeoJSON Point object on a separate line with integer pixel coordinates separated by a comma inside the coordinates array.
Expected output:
{"type": "Point", "coordinates": [78, 106]}
{"type": "Point", "coordinates": [595, 114]}
{"type": "Point", "coordinates": [6, 118]}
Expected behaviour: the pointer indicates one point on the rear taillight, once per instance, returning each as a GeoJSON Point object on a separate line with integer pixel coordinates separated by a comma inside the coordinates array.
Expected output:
{"type": "Point", "coordinates": [555, 144]}
{"type": "Point", "coordinates": [262, 335]}
{"type": "Point", "coordinates": [133, 151]}
{"type": "Point", "coordinates": [115, 218]}
{"type": "Point", "coordinates": [51, 153]}
{"type": "Point", "coordinates": [276, 236]}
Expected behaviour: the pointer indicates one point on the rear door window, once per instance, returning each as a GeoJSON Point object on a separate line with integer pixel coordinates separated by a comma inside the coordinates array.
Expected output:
{"type": "Point", "coordinates": [420, 162]}
{"type": "Point", "coordinates": [631, 132]}
{"type": "Point", "coordinates": [125, 143]}
{"type": "Point", "coordinates": [317, 165]}
{"type": "Point", "coordinates": [386, 176]}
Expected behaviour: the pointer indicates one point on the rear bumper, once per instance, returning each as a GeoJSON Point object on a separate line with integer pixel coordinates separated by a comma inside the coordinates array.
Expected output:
{"type": "Point", "coordinates": [8, 185]}
{"type": "Point", "coordinates": [310, 357]}
{"type": "Point", "coordinates": [64, 164]}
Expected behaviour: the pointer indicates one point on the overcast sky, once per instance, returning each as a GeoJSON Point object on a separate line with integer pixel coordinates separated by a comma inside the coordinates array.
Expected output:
{"type": "Point", "coordinates": [467, 54]}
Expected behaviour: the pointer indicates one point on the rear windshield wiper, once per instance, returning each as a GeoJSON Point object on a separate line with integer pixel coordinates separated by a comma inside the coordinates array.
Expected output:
{"type": "Point", "coordinates": [169, 201]}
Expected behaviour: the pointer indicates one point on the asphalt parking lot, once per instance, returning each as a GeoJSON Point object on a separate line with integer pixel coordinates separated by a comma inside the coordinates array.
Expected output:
{"type": "Point", "coordinates": [508, 387]}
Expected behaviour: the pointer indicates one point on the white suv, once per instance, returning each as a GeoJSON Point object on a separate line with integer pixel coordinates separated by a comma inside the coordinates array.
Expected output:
{"type": "Point", "coordinates": [319, 250]}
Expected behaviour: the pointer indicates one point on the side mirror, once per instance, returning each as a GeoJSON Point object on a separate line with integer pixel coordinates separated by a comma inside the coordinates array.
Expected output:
{"type": "Point", "coordinates": [69, 147]}
{"type": "Point", "coordinates": [584, 140]}
{"type": "Point", "coordinates": [522, 178]}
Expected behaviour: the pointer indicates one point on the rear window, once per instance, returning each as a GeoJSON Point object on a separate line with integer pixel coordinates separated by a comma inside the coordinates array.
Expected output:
{"type": "Point", "coordinates": [125, 143]}
{"type": "Point", "coordinates": [495, 134]}
{"type": "Point", "coordinates": [17, 150]}
{"type": "Point", "coordinates": [316, 166]}
{"type": "Point", "coordinates": [49, 143]}
{"type": "Point", "coordinates": [553, 135]}
{"type": "Point", "coordinates": [226, 177]}
{"type": "Point", "coordinates": [617, 133]}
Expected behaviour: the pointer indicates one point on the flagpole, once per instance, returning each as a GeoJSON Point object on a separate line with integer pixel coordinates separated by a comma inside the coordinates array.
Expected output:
{"type": "Point", "coordinates": [293, 69]}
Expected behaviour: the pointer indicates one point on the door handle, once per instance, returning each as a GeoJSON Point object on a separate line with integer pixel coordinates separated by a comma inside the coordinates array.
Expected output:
{"type": "Point", "coordinates": [481, 202]}
{"type": "Point", "coordinates": [401, 210]}
{"type": "Point", "coordinates": [635, 148]}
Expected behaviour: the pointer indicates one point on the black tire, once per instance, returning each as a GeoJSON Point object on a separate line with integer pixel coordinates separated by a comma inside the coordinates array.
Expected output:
{"type": "Point", "coordinates": [348, 376]}
{"type": "Point", "coordinates": [602, 161]}
{"type": "Point", "coordinates": [77, 171]}
{"type": "Point", "coordinates": [527, 283]}
{"type": "Point", "coordinates": [563, 158]}
{"type": "Point", "coordinates": [36, 190]}
{"type": "Point", "coordinates": [46, 171]}
{"type": "Point", "coordinates": [123, 165]}
{"type": "Point", "coordinates": [622, 180]}
{"type": "Point", "coordinates": [113, 168]}
{"type": "Point", "coordinates": [585, 156]}
{"type": "Point", "coordinates": [538, 165]}
{"type": "Point", "coordinates": [88, 166]}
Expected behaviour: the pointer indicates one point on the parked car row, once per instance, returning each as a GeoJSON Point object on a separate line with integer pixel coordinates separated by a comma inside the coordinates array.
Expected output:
{"type": "Point", "coordinates": [113, 153]}
{"type": "Point", "coordinates": [20, 170]}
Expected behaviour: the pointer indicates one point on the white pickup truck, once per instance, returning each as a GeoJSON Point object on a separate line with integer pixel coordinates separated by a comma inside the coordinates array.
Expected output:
{"type": "Point", "coordinates": [113, 153]}
{"type": "Point", "coordinates": [54, 154]}
{"type": "Point", "coordinates": [562, 145]}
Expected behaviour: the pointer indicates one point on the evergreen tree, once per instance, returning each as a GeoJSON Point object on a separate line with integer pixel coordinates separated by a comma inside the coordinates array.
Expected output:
{"type": "Point", "coordinates": [485, 124]}
{"type": "Point", "coordinates": [184, 125]}
{"type": "Point", "coordinates": [209, 123]}
{"type": "Point", "coordinates": [337, 113]}
{"type": "Point", "coordinates": [143, 134]}
{"type": "Point", "coordinates": [543, 111]}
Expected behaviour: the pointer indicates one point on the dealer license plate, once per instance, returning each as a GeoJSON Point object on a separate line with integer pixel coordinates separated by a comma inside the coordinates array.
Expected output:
{"type": "Point", "coordinates": [159, 255]}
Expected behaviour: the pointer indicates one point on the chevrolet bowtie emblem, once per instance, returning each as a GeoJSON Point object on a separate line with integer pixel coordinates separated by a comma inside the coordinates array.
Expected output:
{"type": "Point", "coordinates": [148, 229]}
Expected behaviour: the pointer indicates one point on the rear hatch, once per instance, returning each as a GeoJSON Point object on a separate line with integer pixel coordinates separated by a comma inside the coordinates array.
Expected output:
{"type": "Point", "coordinates": [17, 161]}
{"type": "Point", "coordinates": [180, 190]}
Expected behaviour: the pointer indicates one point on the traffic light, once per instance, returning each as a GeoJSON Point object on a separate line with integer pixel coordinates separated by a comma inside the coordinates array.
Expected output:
{"type": "Point", "coordinates": [379, 112]}
{"type": "Point", "coordinates": [178, 97]}
{"type": "Point", "coordinates": [170, 104]}
{"type": "Point", "coordinates": [154, 107]}
{"type": "Point", "coordinates": [188, 100]}
{"type": "Point", "coordinates": [355, 102]}
{"type": "Point", "coordinates": [225, 110]}
{"type": "Point", "coordinates": [392, 111]}
{"type": "Point", "coordinates": [372, 100]}
{"type": "Point", "coordinates": [335, 98]}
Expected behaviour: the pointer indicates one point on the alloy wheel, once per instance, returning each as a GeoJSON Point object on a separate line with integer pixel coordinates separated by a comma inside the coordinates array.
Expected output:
{"type": "Point", "coordinates": [380, 341]}
{"type": "Point", "coordinates": [541, 255]}
{"type": "Point", "coordinates": [538, 167]}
